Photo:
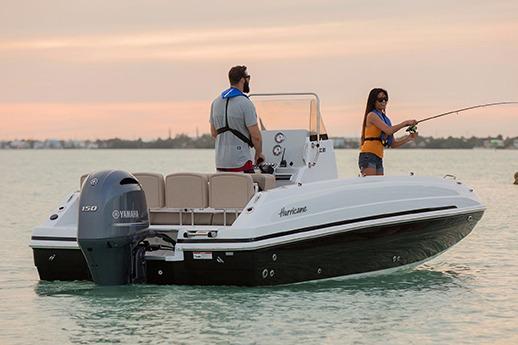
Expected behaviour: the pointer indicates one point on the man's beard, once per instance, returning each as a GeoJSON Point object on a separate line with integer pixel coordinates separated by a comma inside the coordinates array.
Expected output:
{"type": "Point", "coordinates": [246, 87]}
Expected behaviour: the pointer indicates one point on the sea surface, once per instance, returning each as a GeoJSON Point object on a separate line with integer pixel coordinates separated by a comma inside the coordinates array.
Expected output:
{"type": "Point", "coordinates": [469, 295]}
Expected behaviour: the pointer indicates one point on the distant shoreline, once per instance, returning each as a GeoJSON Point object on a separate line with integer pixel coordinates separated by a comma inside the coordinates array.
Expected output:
{"type": "Point", "coordinates": [205, 141]}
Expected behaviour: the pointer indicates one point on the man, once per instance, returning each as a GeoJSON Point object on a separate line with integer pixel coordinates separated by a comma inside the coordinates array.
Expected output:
{"type": "Point", "coordinates": [233, 123]}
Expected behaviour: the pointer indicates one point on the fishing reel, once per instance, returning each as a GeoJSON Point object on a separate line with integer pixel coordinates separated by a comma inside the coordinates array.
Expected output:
{"type": "Point", "coordinates": [412, 129]}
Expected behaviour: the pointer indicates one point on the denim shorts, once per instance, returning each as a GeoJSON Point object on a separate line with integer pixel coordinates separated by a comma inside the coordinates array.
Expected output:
{"type": "Point", "coordinates": [370, 160]}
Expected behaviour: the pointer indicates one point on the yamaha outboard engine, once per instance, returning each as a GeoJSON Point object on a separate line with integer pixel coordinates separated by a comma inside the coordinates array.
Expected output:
{"type": "Point", "coordinates": [113, 219]}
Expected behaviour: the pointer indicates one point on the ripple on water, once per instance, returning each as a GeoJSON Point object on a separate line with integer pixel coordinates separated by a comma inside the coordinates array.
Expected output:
{"type": "Point", "coordinates": [469, 295]}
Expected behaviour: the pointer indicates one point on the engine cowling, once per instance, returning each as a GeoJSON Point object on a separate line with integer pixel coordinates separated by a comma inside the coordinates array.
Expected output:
{"type": "Point", "coordinates": [113, 219]}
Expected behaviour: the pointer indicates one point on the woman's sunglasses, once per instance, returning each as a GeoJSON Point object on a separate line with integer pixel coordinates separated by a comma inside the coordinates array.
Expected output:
{"type": "Point", "coordinates": [382, 99]}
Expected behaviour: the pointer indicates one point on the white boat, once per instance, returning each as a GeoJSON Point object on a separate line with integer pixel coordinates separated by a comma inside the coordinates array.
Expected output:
{"type": "Point", "coordinates": [300, 223]}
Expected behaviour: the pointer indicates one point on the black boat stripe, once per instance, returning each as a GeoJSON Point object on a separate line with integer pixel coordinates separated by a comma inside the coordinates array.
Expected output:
{"type": "Point", "coordinates": [280, 234]}
{"type": "Point", "coordinates": [316, 227]}
{"type": "Point", "coordinates": [49, 238]}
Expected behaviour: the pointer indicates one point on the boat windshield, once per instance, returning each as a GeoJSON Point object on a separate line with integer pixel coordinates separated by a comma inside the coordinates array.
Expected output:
{"type": "Point", "coordinates": [290, 111]}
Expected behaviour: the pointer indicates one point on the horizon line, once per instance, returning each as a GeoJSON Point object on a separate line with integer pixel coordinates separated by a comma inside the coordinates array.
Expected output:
{"type": "Point", "coordinates": [204, 134]}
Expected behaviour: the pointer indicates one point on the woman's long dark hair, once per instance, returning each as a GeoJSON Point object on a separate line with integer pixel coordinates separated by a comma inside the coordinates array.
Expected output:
{"type": "Point", "coordinates": [371, 105]}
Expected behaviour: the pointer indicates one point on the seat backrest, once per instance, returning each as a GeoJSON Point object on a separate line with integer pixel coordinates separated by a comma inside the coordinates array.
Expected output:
{"type": "Point", "coordinates": [264, 181]}
{"type": "Point", "coordinates": [185, 191]}
{"type": "Point", "coordinates": [230, 190]}
{"type": "Point", "coordinates": [188, 190]}
{"type": "Point", "coordinates": [154, 188]}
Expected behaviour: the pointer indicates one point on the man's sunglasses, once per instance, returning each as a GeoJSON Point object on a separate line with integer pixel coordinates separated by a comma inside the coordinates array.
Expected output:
{"type": "Point", "coordinates": [246, 76]}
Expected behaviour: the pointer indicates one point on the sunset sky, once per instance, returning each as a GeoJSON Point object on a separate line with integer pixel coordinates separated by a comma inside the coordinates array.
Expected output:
{"type": "Point", "coordinates": [99, 69]}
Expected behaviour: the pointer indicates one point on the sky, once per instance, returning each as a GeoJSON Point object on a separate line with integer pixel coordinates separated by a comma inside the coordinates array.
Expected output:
{"type": "Point", "coordinates": [89, 69]}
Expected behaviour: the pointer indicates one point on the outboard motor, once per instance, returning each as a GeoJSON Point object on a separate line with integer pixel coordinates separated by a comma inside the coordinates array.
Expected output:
{"type": "Point", "coordinates": [113, 219]}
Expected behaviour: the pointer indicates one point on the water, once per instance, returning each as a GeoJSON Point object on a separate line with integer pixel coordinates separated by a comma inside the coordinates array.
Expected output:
{"type": "Point", "coordinates": [469, 295]}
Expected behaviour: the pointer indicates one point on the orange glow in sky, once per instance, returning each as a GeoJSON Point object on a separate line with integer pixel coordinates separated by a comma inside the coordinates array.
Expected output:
{"type": "Point", "coordinates": [88, 71]}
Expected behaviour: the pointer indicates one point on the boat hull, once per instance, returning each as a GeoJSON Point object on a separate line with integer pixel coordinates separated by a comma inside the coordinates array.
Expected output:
{"type": "Point", "coordinates": [350, 252]}
{"type": "Point", "coordinates": [61, 264]}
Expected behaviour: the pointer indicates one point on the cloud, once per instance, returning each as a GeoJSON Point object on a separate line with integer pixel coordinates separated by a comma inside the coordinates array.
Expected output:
{"type": "Point", "coordinates": [327, 39]}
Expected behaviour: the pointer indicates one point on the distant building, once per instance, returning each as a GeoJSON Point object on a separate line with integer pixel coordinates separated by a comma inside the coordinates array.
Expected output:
{"type": "Point", "coordinates": [493, 143]}
{"type": "Point", "coordinates": [74, 144]}
{"type": "Point", "coordinates": [38, 145]}
{"type": "Point", "coordinates": [91, 145]}
{"type": "Point", "coordinates": [20, 144]}
{"type": "Point", "coordinates": [338, 143]}
{"type": "Point", "coordinates": [496, 143]}
{"type": "Point", "coordinates": [53, 144]}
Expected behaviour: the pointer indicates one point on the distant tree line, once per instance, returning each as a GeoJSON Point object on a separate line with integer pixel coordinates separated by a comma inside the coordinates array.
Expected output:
{"type": "Point", "coordinates": [443, 143]}
{"type": "Point", "coordinates": [464, 143]}
{"type": "Point", "coordinates": [181, 141]}
{"type": "Point", "coordinates": [205, 141]}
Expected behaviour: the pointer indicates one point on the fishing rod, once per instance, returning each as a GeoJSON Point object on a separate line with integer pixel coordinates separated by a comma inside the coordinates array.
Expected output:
{"type": "Point", "coordinates": [413, 129]}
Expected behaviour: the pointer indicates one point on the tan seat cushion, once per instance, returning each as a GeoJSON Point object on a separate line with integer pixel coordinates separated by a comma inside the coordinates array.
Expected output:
{"type": "Point", "coordinates": [154, 188]}
{"type": "Point", "coordinates": [264, 181]}
{"type": "Point", "coordinates": [185, 190]}
{"type": "Point", "coordinates": [229, 190]}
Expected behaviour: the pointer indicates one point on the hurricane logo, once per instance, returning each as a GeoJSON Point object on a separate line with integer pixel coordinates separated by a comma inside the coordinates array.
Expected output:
{"type": "Point", "coordinates": [116, 214]}
{"type": "Point", "coordinates": [94, 181]}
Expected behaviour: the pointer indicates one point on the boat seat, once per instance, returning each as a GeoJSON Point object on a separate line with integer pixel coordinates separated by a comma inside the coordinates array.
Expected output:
{"type": "Point", "coordinates": [184, 193]}
{"type": "Point", "coordinates": [230, 191]}
{"type": "Point", "coordinates": [153, 186]}
{"type": "Point", "coordinates": [264, 181]}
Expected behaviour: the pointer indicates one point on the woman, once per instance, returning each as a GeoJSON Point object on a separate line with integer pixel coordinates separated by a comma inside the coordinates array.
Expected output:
{"type": "Point", "coordinates": [378, 132]}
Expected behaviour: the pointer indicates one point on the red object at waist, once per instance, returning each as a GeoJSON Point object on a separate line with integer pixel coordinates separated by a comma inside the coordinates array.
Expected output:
{"type": "Point", "coordinates": [249, 166]}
